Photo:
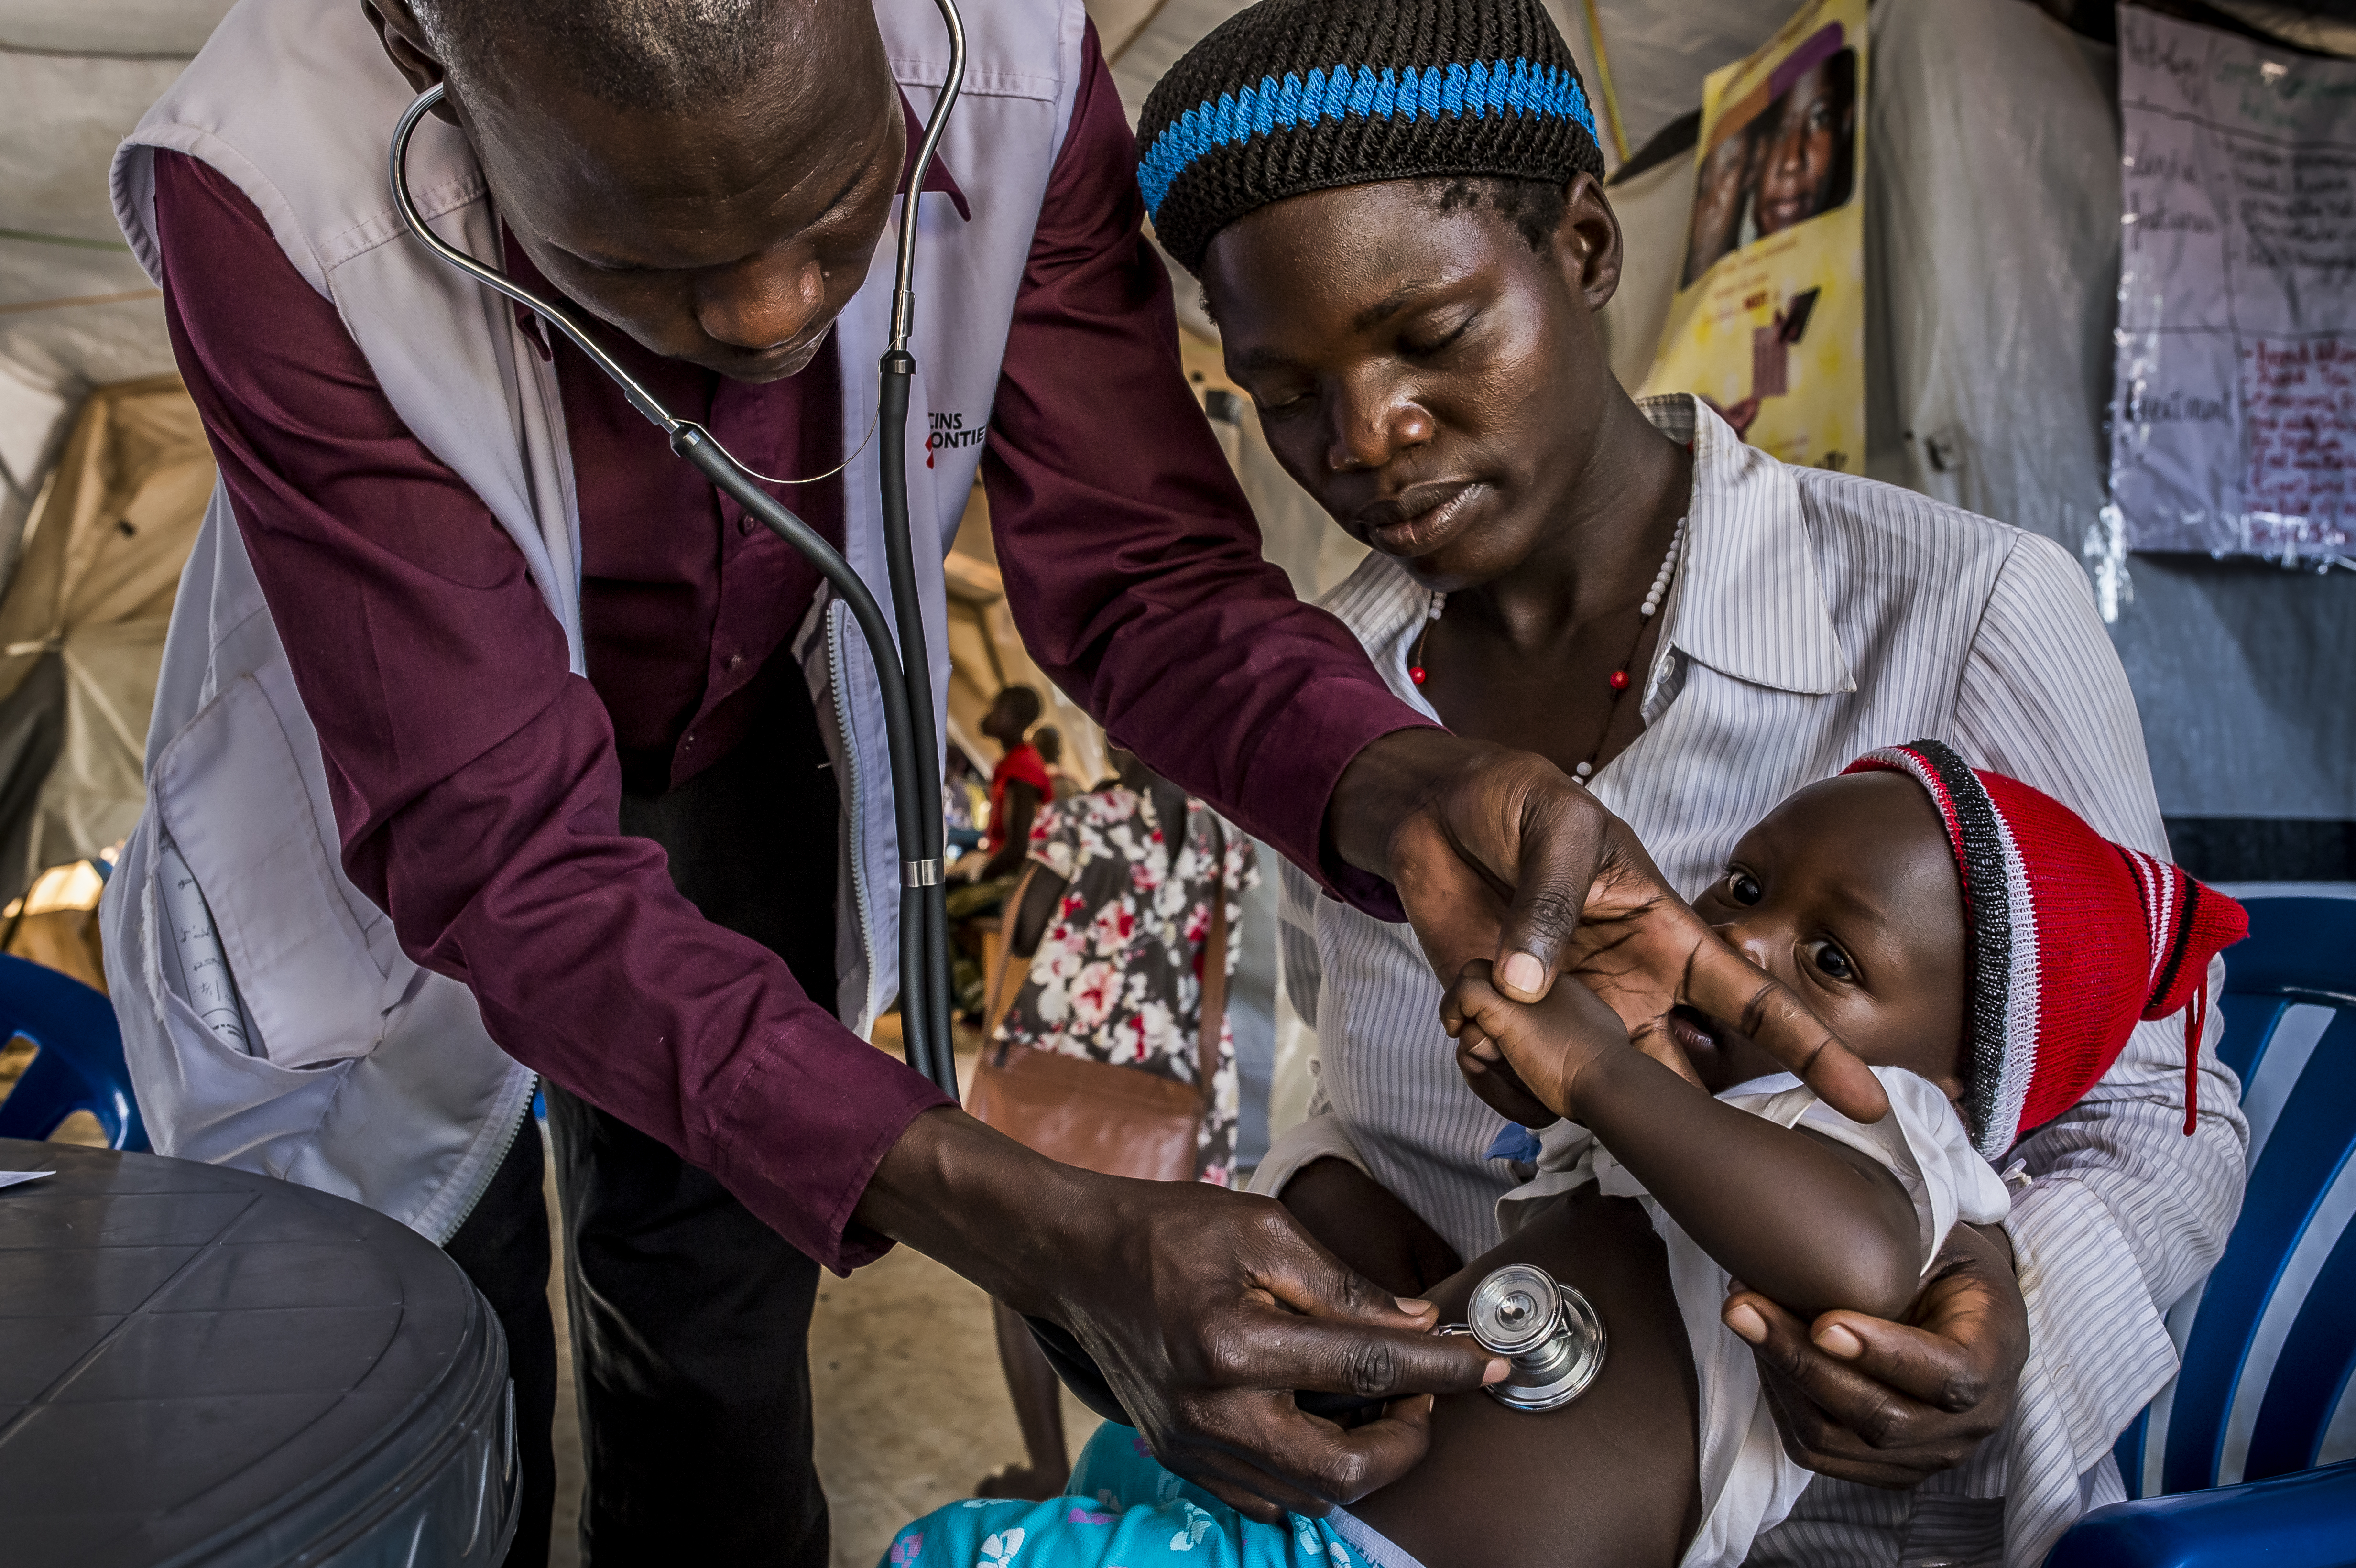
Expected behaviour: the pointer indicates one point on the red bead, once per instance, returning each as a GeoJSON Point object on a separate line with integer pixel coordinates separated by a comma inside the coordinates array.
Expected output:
{"type": "Point", "coordinates": [1415, 674]}
{"type": "Point", "coordinates": [1618, 680]}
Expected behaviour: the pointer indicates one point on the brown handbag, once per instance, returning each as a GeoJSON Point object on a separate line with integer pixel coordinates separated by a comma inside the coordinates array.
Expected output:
{"type": "Point", "coordinates": [1116, 1121]}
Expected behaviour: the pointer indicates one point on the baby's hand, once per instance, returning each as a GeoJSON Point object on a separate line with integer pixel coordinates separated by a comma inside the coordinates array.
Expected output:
{"type": "Point", "coordinates": [1549, 1044]}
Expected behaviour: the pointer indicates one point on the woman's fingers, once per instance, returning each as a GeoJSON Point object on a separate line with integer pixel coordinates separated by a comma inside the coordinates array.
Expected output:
{"type": "Point", "coordinates": [1813, 1443]}
{"type": "Point", "coordinates": [1818, 1440]}
{"type": "Point", "coordinates": [1930, 1367]}
{"type": "Point", "coordinates": [1848, 1399]}
{"type": "Point", "coordinates": [1919, 1397]}
{"type": "Point", "coordinates": [1967, 1339]}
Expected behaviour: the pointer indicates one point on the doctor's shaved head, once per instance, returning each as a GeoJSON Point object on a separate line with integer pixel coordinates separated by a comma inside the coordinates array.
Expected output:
{"type": "Point", "coordinates": [710, 176]}
{"type": "Point", "coordinates": [632, 54]}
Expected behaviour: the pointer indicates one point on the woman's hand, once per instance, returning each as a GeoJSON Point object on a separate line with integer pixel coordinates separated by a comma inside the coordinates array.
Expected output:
{"type": "Point", "coordinates": [1498, 855]}
{"type": "Point", "coordinates": [1892, 1404]}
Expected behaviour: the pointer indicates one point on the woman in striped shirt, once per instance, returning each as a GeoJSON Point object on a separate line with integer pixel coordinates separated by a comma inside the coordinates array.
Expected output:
{"type": "Point", "coordinates": [1696, 631]}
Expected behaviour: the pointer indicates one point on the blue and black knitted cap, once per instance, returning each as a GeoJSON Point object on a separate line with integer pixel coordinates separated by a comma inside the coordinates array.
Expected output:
{"type": "Point", "coordinates": [1291, 96]}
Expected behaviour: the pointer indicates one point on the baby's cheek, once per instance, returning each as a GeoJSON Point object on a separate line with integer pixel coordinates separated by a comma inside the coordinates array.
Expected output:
{"type": "Point", "coordinates": [1907, 1037]}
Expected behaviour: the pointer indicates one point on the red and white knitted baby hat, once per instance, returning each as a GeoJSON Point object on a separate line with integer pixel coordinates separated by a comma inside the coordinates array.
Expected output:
{"type": "Point", "coordinates": [2073, 939]}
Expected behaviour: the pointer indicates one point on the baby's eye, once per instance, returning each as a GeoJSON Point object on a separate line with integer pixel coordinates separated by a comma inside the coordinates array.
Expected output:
{"type": "Point", "coordinates": [1830, 961]}
{"type": "Point", "coordinates": [1743, 888]}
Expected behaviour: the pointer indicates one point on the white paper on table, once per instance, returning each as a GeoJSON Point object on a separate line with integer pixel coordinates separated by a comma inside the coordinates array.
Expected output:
{"type": "Point", "coordinates": [13, 1178]}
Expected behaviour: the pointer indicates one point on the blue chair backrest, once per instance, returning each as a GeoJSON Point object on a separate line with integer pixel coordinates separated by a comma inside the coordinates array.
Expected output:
{"type": "Point", "coordinates": [80, 1065]}
{"type": "Point", "coordinates": [2269, 1341]}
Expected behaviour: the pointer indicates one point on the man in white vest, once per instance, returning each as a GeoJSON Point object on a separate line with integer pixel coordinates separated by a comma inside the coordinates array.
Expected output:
{"type": "Point", "coordinates": [493, 746]}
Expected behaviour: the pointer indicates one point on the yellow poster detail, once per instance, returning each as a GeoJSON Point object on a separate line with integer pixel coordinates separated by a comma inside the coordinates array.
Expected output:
{"type": "Point", "coordinates": [1768, 320]}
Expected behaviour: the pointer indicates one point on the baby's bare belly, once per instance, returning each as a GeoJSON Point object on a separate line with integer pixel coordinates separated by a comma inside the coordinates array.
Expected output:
{"type": "Point", "coordinates": [1608, 1480]}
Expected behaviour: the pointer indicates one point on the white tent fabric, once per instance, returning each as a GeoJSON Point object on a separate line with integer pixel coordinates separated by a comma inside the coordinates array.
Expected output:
{"type": "Point", "coordinates": [75, 310]}
{"type": "Point", "coordinates": [82, 623]}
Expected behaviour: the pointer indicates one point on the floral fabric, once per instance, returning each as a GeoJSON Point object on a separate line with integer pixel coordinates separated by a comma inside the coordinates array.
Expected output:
{"type": "Point", "coordinates": [1117, 978]}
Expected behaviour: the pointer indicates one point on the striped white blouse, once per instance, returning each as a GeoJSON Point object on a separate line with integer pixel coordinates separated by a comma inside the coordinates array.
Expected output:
{"type": "Point", "coordinates": [1818, 616]}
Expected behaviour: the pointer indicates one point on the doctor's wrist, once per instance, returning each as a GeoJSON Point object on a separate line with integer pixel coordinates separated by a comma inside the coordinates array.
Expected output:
{"type": "Point", "coordinates": [1392, 779]}
{"type": "Point", "coordinates": [980, 1204]}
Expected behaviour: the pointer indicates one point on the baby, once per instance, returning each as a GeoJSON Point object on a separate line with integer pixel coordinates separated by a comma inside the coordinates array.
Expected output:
{"type": "Point", "coordinates": [1971, 939]}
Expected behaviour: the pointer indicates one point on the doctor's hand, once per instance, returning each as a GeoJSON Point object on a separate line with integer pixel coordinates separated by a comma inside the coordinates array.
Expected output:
{"type": "Point", "coordinates": [1892, 1404]}
{"type": "Point", "coordinates": [1205, 1310]}
{"type": "Point", "coordinates": [1499, 855]}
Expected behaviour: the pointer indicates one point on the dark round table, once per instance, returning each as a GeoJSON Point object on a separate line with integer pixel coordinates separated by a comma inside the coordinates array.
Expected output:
{"type": "Point", "coordinates": [202, 1366]}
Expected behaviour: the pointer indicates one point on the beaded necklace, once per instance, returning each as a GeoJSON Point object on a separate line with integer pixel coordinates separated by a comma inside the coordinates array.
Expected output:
{"type": "Point", "coordinates": [1620, 681]}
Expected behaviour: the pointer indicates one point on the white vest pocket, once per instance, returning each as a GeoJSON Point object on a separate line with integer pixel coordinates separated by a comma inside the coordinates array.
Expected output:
{"type": "Point", "coordinates": [231, 797]}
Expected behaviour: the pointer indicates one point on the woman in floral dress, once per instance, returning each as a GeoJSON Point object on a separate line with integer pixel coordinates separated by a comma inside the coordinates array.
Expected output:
{"type": "Point", "coordinates": [1114, 915]}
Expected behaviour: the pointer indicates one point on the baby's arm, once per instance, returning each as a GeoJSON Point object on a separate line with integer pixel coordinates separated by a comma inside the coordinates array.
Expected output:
{"type": "Point", "coordinates": [1812, 1224]}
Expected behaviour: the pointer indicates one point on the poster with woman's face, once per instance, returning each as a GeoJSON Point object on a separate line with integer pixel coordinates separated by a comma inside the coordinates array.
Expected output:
{"type": "Point", "coordinates": [1769, 317]}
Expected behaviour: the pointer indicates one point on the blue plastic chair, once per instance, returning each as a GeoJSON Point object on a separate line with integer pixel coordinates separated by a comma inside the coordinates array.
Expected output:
{"type": "Point", "coordinates": [2250, 1455]}
{"type": "Point", "coordinates": [79, 1066]}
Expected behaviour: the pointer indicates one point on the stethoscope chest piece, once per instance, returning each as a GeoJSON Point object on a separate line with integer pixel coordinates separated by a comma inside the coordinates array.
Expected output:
{"type": "Point", "coordinates": [1551, 1333]}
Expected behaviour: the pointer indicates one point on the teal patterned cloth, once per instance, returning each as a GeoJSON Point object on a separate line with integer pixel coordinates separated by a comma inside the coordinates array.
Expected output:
{"type": "Point", "coordinates": [1121, 1509]}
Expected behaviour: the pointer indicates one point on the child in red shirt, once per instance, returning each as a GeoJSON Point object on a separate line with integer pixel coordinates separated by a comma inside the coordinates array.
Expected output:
{"type": "Point", "coordinates": [1018, 784]}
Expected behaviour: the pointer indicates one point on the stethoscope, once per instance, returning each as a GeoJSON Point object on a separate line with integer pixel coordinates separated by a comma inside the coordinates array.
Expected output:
{"type": "Point", "coordinates": [906, 676]}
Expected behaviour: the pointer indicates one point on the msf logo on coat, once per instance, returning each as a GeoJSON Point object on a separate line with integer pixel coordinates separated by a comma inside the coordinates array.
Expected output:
{"type": "Point", "coordinates": [954, 430]}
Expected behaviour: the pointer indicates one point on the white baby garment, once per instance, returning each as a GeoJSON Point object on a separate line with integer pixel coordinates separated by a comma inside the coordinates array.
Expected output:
{"type": "Point", "coordinates": [1748, 1484]}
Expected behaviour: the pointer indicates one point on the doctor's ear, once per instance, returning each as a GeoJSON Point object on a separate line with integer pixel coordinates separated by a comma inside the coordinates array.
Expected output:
{"type": "Point", "coordinates": [406, 44]}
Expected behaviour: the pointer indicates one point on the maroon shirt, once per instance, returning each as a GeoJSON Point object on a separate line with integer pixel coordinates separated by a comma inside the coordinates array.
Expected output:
{"type": "Point", "coordinates": [477, 782]}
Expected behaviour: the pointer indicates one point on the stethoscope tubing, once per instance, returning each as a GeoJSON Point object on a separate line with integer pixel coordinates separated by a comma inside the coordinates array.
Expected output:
{"type": "Point", "coordinates": [928, 983]}
{"type": "Point", "coordinates": [903, 672]}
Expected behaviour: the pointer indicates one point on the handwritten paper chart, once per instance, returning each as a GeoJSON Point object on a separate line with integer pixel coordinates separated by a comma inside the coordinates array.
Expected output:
{"type": "Point", "coordinates": [2234, 418]}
